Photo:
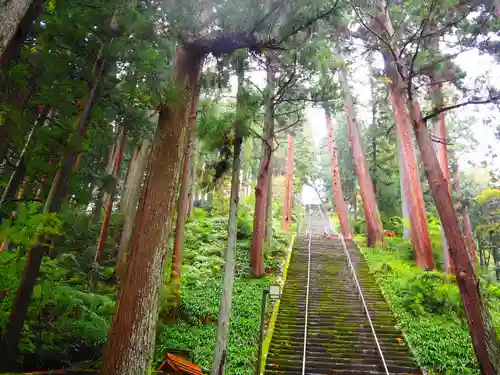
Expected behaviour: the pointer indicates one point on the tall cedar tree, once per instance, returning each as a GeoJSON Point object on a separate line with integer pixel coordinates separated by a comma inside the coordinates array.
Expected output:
{"type": "Point", "coordinates": [338, 195]}
{"type": "Point", "coordinates": [180, 223]}
{"type": "Point", "coordinates": [117, 155]}
{"type": "Point", "coordinates": [221, 343]}
{"type": "Point", "coordinates": [440, 146]}
{"type": "Point", "coordinates": [375, 232]}
{"type": "Point", "coordinates": [288, 200]}
{"type": "Point", "coordinates": [467, 225]}
{"type": "Point", "coordinates": [483, 335]}
{"type": "Point", "coordinates": [136, 314]}
{"type": "Point", "coordinates": [128, 205]}
{"type": "Point", "coordinates": [412, 185]}
{"type": "Point", "coordinates": [261, 188]}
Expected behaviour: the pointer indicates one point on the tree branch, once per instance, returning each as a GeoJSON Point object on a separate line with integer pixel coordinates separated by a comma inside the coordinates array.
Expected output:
{"type": "Point", "coordinates": [310, 22]}
{"type": "Point", "coordinates": [259, 23]}
{"type": "Point", "coordinates": [423, 25]}
{"type": "Point", "coordinates": [437, 111]}
{"type": "Point", "coordinates": [379, 37]}
{"type": "Point", "coordinates": [288, 126]}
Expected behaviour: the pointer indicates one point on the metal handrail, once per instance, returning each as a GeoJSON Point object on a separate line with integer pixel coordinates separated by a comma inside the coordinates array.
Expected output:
{"type": "Point", "coordinates": [307, 294]}
{"type": "Point", "coordinates": [364, 303]}
{"type": "Point", "coordinates": [327, 222]}
{"type": "Point", "coordinates": [355, 277]}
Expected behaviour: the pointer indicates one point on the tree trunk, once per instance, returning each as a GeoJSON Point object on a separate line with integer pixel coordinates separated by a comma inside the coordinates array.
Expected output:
{"type": "Point", "coordinates": [441, 152]}
{"type": "Point", "coordinates": [467, 226]}
{"type": "Point", "coordinates": [338, 195]}
{"type": "Point", "coordinates": [259, 220]}
{"type": "Point", "coordinates": [20, 193]}
{"type": "Point", "coordinates": [98, 205]}
{"type": "Point", "coordinates": [128, 205]}
{"type": "Point", "coordinates": [481, 251]}
{"type": "Point", "coordinates": [220, 351]}
{"type": "Point", "coordinates": [375, 232]}
{"type": "Point", "coordinates": [355, 205]}
{"type": "Point", "coordinates": [117, 160]}
{"type": "Point", "coordinates": [4, 140]}
{"type": "Point", "coordinates": [194, 176]}
{"type": "Point", "coordinates": [404, 201]}
{"type": "Point", "coordinates": [483, 335]}
{"type": "Point", "coordinates": [129, 349]}
{"type": "Point", "coordinates": [180, 223]}
{"type": "Point", "coordinates": [52, 204]}
{"type": "Point", "coordinates": [495, 249]}
{"type": "Point", "coordinates": [269, 206]}
{"type": "Point", "coordinates": [16, 16]}
{"type": "Point", "coordinates": [15, 181]}
{"type": "Point", "coordinates": [482, 332]}
{"type": "Point", "coordinates": [374, 124]}
{"type": "Point", "coordinates": [288, 202]}
{"type": "Point", "coordinates": [412, 185]}
{"type": "Point", "coordinates": [241, 193]}
{"type": "Point", "coordinates": [20, 169]}
{"type": "Point", "coordinates": [469, 234]}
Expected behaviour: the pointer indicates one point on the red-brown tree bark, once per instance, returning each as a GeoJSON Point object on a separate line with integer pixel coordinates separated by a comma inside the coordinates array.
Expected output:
{"type": "Point", "coordinates": [288, 200]}
{"type": "Point", "coordinates": [413, 189]}
{"type": "Point", "coordinates": [259, 219]}
{"type": "Point", "coordinates": [261, 188]}
{"type": "Point", "coordinates": [404, 201]}
{"type": "Point", "coordinates": [194, 176]}
{"type": "Point", "coordinates": [131, 339]}
{"type": "Point", "coordinates": [268, 232]}
{"type": "Point", "coordinates": [180, 223]}
{"type": "Point", "coordinates": [467, 226]}
{"type": "Point", "coordinates": [338, 195]}
{"type": "Point", "coordinates": [179, 236]}
{"type": "Point", "coordinates": [128, 205]}
{"type": "Point", "coordinates": [412, 186]}
{"type": "Point", "coordinates": [440, 146]}
{"type": "Point", "coordinates": [374, 229]}
{"type": "Point", "coordinates": [117, 159]}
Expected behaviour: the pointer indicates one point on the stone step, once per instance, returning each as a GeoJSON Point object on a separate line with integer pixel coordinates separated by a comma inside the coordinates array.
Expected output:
{"type": "Point", "coordinates": [345, 359]}
{"type": "Point", "coordinates": [320, 353]}
{"type": "Point", "coordinates": [354, 349]}
{"type": "Point", "coordinates": [345, 340]}
{"type": "Point", "coordinates": [339, 337]}
{"type": "Point", "coordinates": [298, 371]}
{"type": "Point", "coordinates": [329, 367]}
{"type": "Point", "coordinates": [354, 328]}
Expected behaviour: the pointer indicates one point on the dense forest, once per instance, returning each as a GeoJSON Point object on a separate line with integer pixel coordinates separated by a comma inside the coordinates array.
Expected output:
{"type": "Point", "coordinates": [153, 155]}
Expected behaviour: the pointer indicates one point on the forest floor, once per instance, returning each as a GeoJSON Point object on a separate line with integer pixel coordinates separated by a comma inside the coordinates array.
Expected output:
{"type": "Point", "coordinates": [428, 309]}
{"type": "Point", "coordinates": [68, 321]}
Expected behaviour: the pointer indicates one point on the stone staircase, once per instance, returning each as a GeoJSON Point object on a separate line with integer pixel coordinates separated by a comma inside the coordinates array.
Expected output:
{"type": "Point", "coordinates": [339, 337]}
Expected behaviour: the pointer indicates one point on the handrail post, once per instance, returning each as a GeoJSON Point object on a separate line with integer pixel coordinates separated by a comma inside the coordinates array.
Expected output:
{"type": "Point", "coordinates": [261, 339]}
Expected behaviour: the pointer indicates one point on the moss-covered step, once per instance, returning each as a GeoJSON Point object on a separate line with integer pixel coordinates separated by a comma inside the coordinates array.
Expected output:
{"type": "Point", "coordinates": [339, 339]}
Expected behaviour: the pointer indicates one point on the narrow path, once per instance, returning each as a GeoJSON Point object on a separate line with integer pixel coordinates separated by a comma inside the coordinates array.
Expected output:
{"type": "Point", "coordinates": [339, 339]}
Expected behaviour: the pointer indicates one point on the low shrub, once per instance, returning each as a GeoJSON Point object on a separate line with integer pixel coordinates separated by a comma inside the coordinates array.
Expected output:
{"type": "Point", "coordinates": [428, 309]}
